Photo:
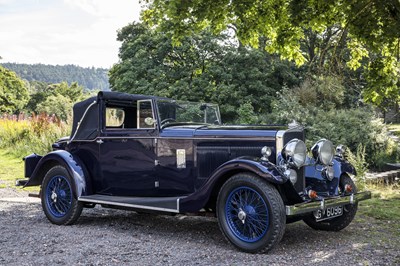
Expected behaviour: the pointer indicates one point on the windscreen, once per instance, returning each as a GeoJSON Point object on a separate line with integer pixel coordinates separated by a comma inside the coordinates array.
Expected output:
{"type": "Point", "coordinates": [188, 112]}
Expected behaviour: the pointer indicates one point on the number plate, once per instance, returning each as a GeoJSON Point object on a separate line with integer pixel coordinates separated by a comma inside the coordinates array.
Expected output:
{"type": "Point", "coordinates": [328, 213]}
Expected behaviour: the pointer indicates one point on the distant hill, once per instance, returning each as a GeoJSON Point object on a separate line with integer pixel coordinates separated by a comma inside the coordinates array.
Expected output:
{"type": "Point", "coordinates": [89, 77]}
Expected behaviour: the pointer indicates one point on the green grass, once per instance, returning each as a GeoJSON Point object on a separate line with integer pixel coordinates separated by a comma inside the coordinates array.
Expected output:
{"type": "Point", "coordinates": [11, 169]}
{"type": "Point", "coordinates": [384, 204]}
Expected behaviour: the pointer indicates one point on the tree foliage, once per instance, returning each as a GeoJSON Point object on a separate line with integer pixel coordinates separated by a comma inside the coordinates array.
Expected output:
{"type": "Point", "coordinates": [204, 67]}
{"type": "Point", "coordinates": [90, 78]}
{"type": "Point", "coordinates": [57, 105]}
{"type": "Point", "coordinates": [324, 115]}
{"type": "Point", "coordinates": [56, 99]}
{"type": "Point", "coordinates": [331, 34]}
{"type": "Point", "coordinates": [13, 92]}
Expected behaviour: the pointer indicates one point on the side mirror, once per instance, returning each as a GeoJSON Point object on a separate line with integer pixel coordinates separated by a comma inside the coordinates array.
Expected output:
{"type": "Point", "coordinates": [149, 121]}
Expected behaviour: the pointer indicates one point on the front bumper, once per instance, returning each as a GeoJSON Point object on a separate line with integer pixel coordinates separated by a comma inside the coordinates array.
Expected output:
{"type": "Point", "coordinates": [307, 207]}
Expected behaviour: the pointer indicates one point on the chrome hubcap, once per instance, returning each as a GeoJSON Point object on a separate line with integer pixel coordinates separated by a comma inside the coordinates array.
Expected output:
{"type": "Point", "coordinates": [54, 197]}
{"type": "Point", "coordinates": [242, 216]}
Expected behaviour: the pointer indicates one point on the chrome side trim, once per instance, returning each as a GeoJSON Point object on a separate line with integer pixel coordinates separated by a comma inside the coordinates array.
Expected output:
{"type": "Point", "coordinates": [130, 205]}
{"type": "Point", "coordinates": [307, 207]}
{"type": "Point", "coordinates": [178, 138]}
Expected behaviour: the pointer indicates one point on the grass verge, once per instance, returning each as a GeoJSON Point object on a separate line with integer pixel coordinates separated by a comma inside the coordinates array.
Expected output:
{"type": "Point", "coordinates": [11, 169]}
{"type": "Point", "coordinates": [384, 204]}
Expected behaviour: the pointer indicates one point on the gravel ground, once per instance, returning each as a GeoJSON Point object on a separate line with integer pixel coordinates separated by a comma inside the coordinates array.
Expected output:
{"type": "Point", "coordinates": [112, 237]}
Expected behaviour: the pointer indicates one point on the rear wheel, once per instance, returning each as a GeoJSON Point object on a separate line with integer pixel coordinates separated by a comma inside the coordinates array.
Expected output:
{"type": "Point", "coordinates": [341, 222]}
{"type": "Point", "coordinates": [58, 200]}
{"type": "Point", "coordinates": [251, 213]}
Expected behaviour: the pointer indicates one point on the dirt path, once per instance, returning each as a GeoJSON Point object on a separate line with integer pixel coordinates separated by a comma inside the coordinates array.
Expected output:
{"type": "Point", "coordinates": [111, 237]}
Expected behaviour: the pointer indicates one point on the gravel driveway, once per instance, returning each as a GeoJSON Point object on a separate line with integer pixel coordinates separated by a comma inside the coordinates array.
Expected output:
{"type": "Point", "coordinates": [112, 237]}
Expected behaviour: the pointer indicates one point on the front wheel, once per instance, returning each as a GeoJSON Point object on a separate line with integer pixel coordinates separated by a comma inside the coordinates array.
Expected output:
{"type": "Point", "coordinates": [341, 222]}
{"type": "Point", "coordinates": [251, 213]}
{"type": "Point", "coordinates": [58, 201]}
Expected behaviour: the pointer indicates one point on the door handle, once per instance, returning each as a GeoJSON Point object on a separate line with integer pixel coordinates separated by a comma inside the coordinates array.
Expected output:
{"type": "Point", "coordinates": [100, 141]}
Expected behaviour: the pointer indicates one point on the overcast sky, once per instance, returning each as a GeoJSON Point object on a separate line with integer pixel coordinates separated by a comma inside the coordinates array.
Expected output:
{"type": "Point", "coordinates": [80, 32]}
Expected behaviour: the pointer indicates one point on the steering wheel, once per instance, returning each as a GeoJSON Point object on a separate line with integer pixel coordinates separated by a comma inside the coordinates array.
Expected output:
{"type": "Point", "coordinates": [167, 120]}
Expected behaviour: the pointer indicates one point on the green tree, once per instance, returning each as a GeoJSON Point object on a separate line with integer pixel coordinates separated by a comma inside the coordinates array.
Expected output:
{"type": "Point", "coordinates": [74, 92]}
{"type": "Point", "coordinates": [38, 93]}
{"type": "Point", "coordinates": [247, 115]}
{"type": "Point", "coordinates": [58, 105]}
{"type": "Point", "coordinates": [54, 98]}
{"type": "Point", "coordinates": [204, 68]}
{"type": "Point", "coordinates": [323, 115]}
{"type": "Point", "coordinates": [90, 78]}
{"type": "Point", "coordinates": [335, 33]}
{"type": "Point", "coordinates": [13, 92]}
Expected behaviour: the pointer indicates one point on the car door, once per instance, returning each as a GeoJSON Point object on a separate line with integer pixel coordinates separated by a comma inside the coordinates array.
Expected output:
{"type": "Point", "coordinates": [127, 149]}
{"type": "Point", "coordinates": [174, 170]}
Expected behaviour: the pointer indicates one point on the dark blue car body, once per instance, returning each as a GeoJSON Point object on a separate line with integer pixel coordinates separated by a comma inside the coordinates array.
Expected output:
{"type": "Point", "coordinates": [177, 168]}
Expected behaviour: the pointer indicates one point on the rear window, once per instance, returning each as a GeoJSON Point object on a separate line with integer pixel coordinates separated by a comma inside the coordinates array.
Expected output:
{"type": "Point", "coordinates": [115, 117]}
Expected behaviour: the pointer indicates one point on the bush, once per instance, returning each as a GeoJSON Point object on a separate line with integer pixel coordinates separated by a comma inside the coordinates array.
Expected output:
{"type": "Point", "coordinates": [58, 105]}
{"type": "Point", "coordinates": [353, 127]}
{"type": "Point", "coordinates": [360, 164]}
{"type": "Point", "coordinates": [327, 119]}
{"type": "Point", "coordinates": [246, 114]}
{"type": "Point", "coordinates": [22, 136]}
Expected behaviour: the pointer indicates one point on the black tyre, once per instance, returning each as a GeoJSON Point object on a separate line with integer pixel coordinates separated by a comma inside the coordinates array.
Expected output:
{"type": "Point", "coordinates": [251, 213]}
{"type": "Point", "coordinates": [58, 201]}
{"type": "Point", "coordinates": [341, 222]}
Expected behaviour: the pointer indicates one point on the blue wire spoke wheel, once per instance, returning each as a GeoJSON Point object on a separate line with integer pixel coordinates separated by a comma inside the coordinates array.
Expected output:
{"type": "Point", "coordinates": [59, 203]}
{"type": "Point", "coordinates": [251, 213]}
{"type": "Point", "coordinates": [59, 196]}
{"type": "Point", "coordinates": [247, 214]}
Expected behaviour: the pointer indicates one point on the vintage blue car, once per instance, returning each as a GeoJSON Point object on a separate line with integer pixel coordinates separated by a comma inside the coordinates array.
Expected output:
{"type": "Point", "coordinates": [155, 154]}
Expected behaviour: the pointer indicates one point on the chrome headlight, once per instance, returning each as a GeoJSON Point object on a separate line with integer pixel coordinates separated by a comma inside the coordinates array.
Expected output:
{"type": "Point", "coordinates": [323, 151]}
{"type": "Point", "coordinates": [295, 152]}
{"type": "Point", "coordinates": [328, 173]}
{"type": "Point", "coordinates": [292, 175]}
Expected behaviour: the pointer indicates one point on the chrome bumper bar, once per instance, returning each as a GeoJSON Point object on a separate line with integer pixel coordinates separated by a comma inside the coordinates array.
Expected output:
{"type": "Point", "coordinates": [306, 207]}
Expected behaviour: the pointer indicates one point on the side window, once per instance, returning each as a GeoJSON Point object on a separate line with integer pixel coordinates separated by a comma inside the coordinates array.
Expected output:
{"type": "Point", "coordinates": [115, 117]}
{"type": "Point", "coordinates": [145, 114]}
{"type": "Point", "coordinates": [120, 117]}
{"type": "Point", "coordinates": [136, 115]}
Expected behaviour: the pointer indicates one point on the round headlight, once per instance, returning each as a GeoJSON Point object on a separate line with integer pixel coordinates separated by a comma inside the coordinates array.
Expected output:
{"type": "Point", "coordinates": [295, 152]}
{"type": "Point", "coordinates": [292, 175]}
{"type": "Point", "coordinates": [265, 152]}
{"type": "Point", "coordinates": [340, 150]}
{"type": "Point", "coordinates": [323, 151]}
{"type": "Point", "coordinates": [328, 173]}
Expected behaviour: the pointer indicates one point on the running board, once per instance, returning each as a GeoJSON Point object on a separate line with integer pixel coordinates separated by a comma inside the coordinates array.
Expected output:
{"type": "Point", "coordinates": [165, 204]}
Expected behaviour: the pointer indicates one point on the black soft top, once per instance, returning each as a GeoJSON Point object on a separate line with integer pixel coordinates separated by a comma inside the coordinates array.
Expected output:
{"type": "Point", "coordinates": [87, 129]}
{"type": "Point", "coordinates": [123, 97]}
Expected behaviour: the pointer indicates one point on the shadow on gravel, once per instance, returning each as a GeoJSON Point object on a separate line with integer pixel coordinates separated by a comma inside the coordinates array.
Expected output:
{"type": "Point", "coordinates": [192, 228]}
{"type": "Point", "coordinates": [178, 227]}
